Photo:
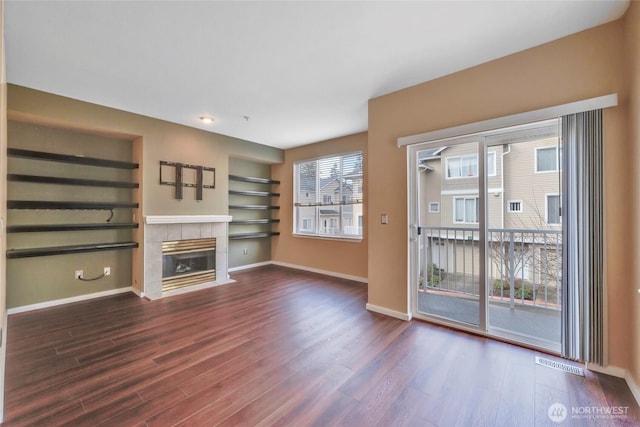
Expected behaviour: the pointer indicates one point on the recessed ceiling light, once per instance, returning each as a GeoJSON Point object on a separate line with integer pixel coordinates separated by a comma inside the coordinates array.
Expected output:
{"type": "Point", "coordinates": [206, 120]}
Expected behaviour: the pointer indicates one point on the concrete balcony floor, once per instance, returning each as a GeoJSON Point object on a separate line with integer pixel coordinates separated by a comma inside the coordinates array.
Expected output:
{"type": "Point", "coordinates": [525, 320]}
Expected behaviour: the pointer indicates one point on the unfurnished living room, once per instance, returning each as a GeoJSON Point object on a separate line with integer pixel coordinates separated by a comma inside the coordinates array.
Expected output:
{"type": "Point", "coordinates": [316, 213]}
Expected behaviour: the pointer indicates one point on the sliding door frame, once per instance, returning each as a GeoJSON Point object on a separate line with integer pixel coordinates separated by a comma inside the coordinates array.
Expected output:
{"type": "Point", "coordinates": [413, 187]}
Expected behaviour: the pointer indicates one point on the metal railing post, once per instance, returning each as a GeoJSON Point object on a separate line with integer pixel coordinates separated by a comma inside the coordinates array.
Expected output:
{"type": "Point", "coordinates": [512, 275]}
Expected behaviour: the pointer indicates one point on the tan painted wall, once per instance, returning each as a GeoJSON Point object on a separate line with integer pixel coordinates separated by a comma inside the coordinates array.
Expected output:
{"type": "Point", "coordinates": [39, 279]}
{"type": "Point", "coordinates": [343, 257]}
{"type": "Point", "coordinates": [3, 209]}
{"type": "Point", "coordinates": [258, 250]}
{"type": "Point", "coordinates": [154, 140]}
{"type": "Point", "coordinates": [632, 44]}
{"type": "Point", "coordinates": [161, 141]}
{"type": "Point", "coordinates": [578, 67]}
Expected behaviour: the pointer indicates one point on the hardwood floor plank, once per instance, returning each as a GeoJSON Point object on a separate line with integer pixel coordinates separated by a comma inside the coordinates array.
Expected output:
{"type": "Point", "coordinates": [278, 347]}
{"type": "Point", "coordinates": [146, 409]}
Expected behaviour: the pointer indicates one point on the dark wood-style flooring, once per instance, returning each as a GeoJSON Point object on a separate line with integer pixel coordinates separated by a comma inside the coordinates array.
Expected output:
{"type": "Point", "coordinates": [279, 347]}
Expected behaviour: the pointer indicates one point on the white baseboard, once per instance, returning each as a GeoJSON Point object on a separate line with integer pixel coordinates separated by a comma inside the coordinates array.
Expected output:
{"type": "Point", "coordinates": [325, 272]}
{"type": "Point", "coordinates": [54, 303]}
{"type": "Point", "coordinates": [633, 386]}
{"type": "Point", "coordinates": [137, 292]}
{"type": "Point", "coordinates": [389, 312]}
{"type": "Point", "coordinates": [248, 266]}
{"type": "Point", "coordinates": [619, 372]}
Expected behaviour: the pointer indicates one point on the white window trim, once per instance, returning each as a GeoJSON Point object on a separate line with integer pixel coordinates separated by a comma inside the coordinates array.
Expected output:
{"type": "Point", "coordinates": [546, 210]}
{"type": "Point", "coordinates": [460, 157]}
{"type": "Point", "coordinates": [437, 209]}
{"type": "Point", "coordinates": [515, 201]}
{"type": "Point", "coordinates": [454, 208]}
{"type": "Point", "coordinates": [313, 235]}
{"type": "Point", "coordinates": [535, 159]}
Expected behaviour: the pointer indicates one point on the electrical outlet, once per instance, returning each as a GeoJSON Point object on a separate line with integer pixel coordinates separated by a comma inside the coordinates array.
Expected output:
{"type": "Point", "coordinates": [79, 274]}
{"type": "Point", "coordinates": [245, 251]}
{"type": "Point", "coordinates": [384, 219]}
{"type": "Point", "coordinates": [107, 271]}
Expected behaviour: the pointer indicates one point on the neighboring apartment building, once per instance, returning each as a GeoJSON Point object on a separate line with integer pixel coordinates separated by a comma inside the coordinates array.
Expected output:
{"type": "Point", "coordinates": [522, 204]}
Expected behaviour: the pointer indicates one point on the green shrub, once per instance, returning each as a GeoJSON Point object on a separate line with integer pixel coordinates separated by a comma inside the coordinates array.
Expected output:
{"type": "Point", "coordinates": [525, 293]}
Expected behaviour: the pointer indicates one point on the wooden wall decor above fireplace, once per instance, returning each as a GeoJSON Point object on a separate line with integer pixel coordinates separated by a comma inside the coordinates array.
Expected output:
{"type": "Point", "coordinates": [197, 179]}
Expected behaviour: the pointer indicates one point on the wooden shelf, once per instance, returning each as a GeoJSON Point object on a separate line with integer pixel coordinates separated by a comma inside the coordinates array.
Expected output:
{"type": "Point", "coordinates": [257, 235]}
{"type": "Point", "coordinates": [252, 179]}
{"type": "Point", "coordinates": [253, 193]}
{"type": "Point", "coordinates": [67, 158]}
{"type": "Point", "coordinates": [70, 181]}
{"type": "Point", "coordinates": [253, 207]}
{"type": "Point", "coordinates": [64, 250]}
{"type": "Point", "coordinates": [69, 227]}
{"type": "Point", "coordinates": [69, 205]}
{"type": "Point", "coordinates": [264, 220]}
{"type": "Point", "coordinates": [254, 221]}
{"type": "Point", "coordinates": [39, 204]}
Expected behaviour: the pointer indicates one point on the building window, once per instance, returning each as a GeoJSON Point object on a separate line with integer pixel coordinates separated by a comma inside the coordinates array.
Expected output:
{"type": "Point", "coordinates": [434, 207]}
{"type": "Point", "coordinates": [465, 209]}
{"type": "Point", "coordinates": [462, 166]}
{"type": "Point", "coordinates": [491, 163]}
{"type": "Point", "coordinates": [547, 159]}
{"type": "Point", "coordinates": [328, 198]}
{"type": "Point", "coordinates": [514, 205]}
{"type": "Point", "coordinates": [467, 166]}
{"type": "Point", "coordinates": [307, 224]}
{"type": "Point", "coordinates": [553, 209]}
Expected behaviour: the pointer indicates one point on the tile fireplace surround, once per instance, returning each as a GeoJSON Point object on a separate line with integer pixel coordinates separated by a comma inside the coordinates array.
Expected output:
{"type": "Point", "coordinates": [160, 228]}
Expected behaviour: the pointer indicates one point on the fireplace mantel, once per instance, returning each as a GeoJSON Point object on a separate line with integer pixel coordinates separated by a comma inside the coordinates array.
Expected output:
{"type": "Point", "coordinates": [185, 219]}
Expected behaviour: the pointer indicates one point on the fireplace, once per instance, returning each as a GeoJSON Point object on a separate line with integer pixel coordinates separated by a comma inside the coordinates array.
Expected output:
{"type": "Point", "coordinates": [188, 262]}
{"type": "Point", "coordinates": [199, 245]}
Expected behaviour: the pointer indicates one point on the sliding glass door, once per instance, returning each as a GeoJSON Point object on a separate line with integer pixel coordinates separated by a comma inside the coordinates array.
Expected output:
{"type": "Point", "coordinates": [449, 236]}
{"type": "Point", "coordinates": [487, 244]}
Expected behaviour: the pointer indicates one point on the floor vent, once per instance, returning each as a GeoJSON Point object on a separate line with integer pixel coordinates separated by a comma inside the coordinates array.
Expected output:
{"type": "Point", "coordinates": [560, 366]}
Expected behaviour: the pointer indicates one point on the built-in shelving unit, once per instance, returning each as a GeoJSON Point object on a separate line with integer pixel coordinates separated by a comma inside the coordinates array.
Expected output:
{"type": "Point", "coordinates": [70, 205]}
{"type": "Point", "coordinates": [256, 195]}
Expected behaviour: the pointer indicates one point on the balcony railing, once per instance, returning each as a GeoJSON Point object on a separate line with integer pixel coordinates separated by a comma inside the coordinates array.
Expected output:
{"type": "Point", "coordinates": [524, 266]}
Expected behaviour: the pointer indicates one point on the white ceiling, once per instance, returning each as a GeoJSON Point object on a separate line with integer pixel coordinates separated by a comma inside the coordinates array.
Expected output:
{"type": "Point", "coordinates": [301, 72]}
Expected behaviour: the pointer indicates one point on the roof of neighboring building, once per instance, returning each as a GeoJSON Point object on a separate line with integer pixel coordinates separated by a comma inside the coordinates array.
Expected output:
{"type": "Point", "coordinates": [431, 153]}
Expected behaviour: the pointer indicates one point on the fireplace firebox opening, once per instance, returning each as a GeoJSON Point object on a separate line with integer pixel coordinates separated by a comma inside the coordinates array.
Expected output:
{"type": "Point", "coordinates": [188, 262]}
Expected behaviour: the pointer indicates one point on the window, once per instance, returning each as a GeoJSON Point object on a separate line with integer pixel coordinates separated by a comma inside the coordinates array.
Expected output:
{"type": "Point", "coordinates": [465, 209]}
{"type": "Point", "coordinates": [553, 209]}
{"type": "Point", "coordinates": [462, 166]}
{"type": "Point", "coordinates": [547, 159]}
{"type": "Point", "coordinates": [467, 166]}
{"type": "Point", "coordinates": [434, 207]}
{"type": "Point", "coordinates": [328, 196]}
{"type": "Point", "coordinates": [514, 205]}
{"type": "Point", "coordinates": [491, 163]}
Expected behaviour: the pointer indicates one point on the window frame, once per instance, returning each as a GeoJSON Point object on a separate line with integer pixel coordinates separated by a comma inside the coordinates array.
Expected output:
{"type": "Point", "coordinates": [432, 209]}
{"type": "Point", "coordinates": [461, 157]}
{"type": "Point", "coordinates": [557, 157]}
{"type": "Point", "coordinates": [546, 209]}
{"type": "Point", "coordinates": [338, 201]}
{"type": "Point", "coordinates": [465, 198]}
{"type": "Point", "coordinates": [520, 204]}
